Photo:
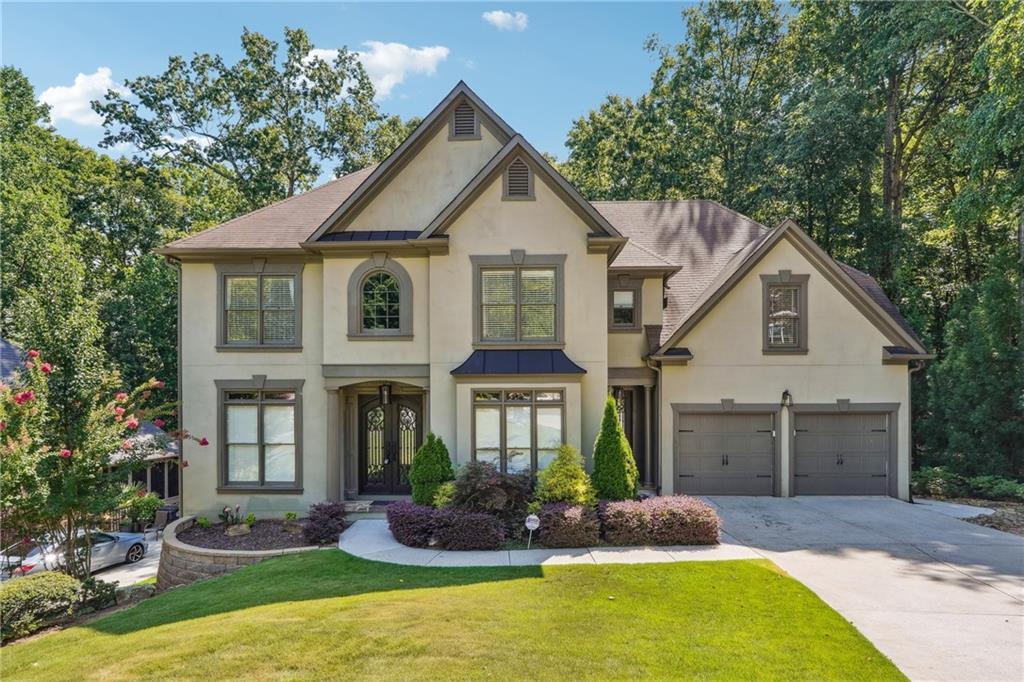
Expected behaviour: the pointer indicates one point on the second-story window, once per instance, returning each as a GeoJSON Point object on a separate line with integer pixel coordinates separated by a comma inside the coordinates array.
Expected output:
{"type": "Point", "coordinates": [260, 309]}
{"type": "Point", "coordinates": [381, 302]}
{"type": "Point", "coordinates": [518, 304]}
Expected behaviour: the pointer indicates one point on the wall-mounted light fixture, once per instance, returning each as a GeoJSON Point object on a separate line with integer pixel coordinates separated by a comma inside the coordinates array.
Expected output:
{"type": "Point", "coordinates": [384, 393]}
{"type": "Point", "coordinates": [787, 399]}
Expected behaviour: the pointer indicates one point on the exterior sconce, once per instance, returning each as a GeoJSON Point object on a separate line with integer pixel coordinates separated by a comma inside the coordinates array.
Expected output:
{"type": "Point", "coordinates": [384, 393]}
{"type": "Point", "coordinates": [787, 399]}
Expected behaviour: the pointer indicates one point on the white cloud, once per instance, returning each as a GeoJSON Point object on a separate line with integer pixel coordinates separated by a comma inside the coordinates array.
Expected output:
{"type": "Point", "coordinates": [388, 64]}
{"type": "Point", "coordinates": [506, 21]}
{"type": "Point", "coordinates": [73, 102]}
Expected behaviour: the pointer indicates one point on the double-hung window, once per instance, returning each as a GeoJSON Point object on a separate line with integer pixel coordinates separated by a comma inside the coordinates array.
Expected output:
{"type": "Point", "coordinates": [260, 306]}
{"type": "Point", "coordinates": [518, 304]}
{"type": "Point", "coordinates": [260, 438]}
{"type": "Point", "coordinates": [785, 313]}
{"type": "Point", "coordinates": [518, 430]}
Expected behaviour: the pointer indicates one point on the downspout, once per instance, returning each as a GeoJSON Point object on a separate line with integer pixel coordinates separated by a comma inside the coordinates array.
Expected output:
{"type": "Point", "coordinates": [656, 432]}
{"type": "Point", "coordinates": [915, 366]}
{"type": "Point", "coordinates": [176, 264]}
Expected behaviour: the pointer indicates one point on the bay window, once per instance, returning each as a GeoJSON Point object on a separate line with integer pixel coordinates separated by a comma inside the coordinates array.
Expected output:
{"type": "Point", "coordinates": [518, 430]}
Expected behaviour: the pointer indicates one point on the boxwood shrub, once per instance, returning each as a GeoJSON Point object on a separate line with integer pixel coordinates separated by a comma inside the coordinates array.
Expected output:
{"type": "Point", "coordinates": [461, 530]}
{"type": "Point", "coordinates": [31, 603]}
{"type": "Point", "coordinates": [411, 524]}
{"type": "Point", "coordinates": [568, 525]}
{"type": "Point", "coordinates": [677, 520]}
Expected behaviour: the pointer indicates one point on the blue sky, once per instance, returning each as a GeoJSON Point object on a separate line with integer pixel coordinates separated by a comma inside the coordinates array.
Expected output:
{"type": "Point", "coordinates": [539, 66]}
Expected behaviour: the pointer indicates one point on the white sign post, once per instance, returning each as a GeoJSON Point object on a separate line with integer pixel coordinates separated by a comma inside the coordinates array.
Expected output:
{"type": "Point", "coordinates": [532, 524]}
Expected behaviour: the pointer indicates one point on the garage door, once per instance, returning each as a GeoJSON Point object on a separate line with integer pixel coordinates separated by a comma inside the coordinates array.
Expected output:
{"type": "Point", "coordinates": [841, 454]}
{"type": "Point", "coordinates": [724, 454]}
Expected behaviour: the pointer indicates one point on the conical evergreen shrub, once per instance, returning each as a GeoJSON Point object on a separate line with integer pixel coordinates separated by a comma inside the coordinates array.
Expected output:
{"type": "Point", "coordinates": [565, 480]}
{"type": "Point", "coordinates": [615, 474]}
{"type": "Point", "coordinates": [431, 466]}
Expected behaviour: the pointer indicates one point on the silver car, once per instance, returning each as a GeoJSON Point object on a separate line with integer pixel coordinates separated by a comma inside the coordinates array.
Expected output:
{"type": "Point", "coordinates": [108, 548]}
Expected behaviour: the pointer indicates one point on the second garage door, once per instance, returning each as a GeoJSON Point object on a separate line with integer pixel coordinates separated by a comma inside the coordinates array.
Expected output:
{"type": "Point", "coordinates": [841, 454]}
{"type": "Point", "coordinates": [725, 454]}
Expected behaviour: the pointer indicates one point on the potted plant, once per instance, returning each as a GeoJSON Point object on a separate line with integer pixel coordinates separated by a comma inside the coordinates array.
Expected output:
{"type": "Point", "coordinates": [141, 508]}
{"type": "Point", "coordinates": [233, 523]}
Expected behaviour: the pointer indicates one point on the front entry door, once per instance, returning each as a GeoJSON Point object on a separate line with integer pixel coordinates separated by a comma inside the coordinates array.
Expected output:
{"type": "Point", "coordinates": [389, 436]}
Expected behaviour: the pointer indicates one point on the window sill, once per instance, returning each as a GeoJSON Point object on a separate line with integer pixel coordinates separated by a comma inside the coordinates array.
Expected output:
{"type": "Point", "coordinates": [784, 351]}
{"type": "Point", "coordinates": [624, 330]}
{"type": "Point", "coordinates": [266, 348]}
{"type": "Point", "coordinates": [380, 337]}
{"type": "Point", "coordinates": [256, 489]}
{"type": "Point", "coordinates": [519, 345]}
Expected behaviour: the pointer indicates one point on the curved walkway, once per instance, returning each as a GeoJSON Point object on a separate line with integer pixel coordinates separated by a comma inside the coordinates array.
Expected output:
{"type": "Point", "coordinates": [371, 539]}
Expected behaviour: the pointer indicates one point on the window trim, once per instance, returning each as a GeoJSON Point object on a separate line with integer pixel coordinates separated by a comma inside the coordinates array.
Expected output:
{"type": "Point", "coordinates": [529, 196]}
{"type": "Point", "coordinates": [501, 404]}
{"type": "Point", "coordinates": [518, 260]}
{"type": "Point", "coordinates": [380, 262]}
{"type": "Point", "coordinates": [258, 382]}
{"type": "Point", "coordinates": [787, 278]}
{"type": "Point", "coordinates": [625, 283]}
{"type": "Point", "coordinates": [452, 137]}
{"type": "Point", "coordinates": [257, 268]}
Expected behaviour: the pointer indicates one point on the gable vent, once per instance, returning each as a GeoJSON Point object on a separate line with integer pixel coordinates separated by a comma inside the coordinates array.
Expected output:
{"type": "Point", "coordinates": [464, 121]}
{"type": "Point", "coordinates": [517, 179]}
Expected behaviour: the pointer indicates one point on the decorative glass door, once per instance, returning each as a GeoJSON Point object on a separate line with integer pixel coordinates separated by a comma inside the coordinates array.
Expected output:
{"type": "Point", "coordinates": [389, 437]}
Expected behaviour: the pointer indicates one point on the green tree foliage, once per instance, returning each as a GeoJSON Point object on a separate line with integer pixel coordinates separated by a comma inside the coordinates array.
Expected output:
{"type": "Point", "coordinates": [431, 466]}
{"type": "Point", "coordinates": [263, 124]}
{"type": "Point", "coordinates": [615, 474]}
{"type": "Point", "coordinates": [565, 480]}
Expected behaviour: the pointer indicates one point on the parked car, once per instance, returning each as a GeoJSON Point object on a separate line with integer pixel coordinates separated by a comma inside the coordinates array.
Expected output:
{"type": "Point", "coordinates": [108, 548]}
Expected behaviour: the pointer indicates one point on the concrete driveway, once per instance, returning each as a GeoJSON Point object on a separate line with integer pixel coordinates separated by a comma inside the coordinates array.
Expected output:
{"type": "Point", "coordinates": [129, 574]}
{"type": "Point", "coordinates": [942, 598]}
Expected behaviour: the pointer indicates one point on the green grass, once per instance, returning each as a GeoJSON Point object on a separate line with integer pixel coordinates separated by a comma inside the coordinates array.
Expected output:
{"type": "Point", "coordinates": [328, 615]}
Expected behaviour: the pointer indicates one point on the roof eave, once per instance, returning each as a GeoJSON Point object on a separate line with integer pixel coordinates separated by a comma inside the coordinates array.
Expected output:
{"type": "Point", "coordinates": [890, 358]}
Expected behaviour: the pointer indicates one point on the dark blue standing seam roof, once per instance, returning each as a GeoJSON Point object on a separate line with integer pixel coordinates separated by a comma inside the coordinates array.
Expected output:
{"type": "Point", "coordinates": [370, 236]}
{"type": "Point", "coordinates": [518, 362]}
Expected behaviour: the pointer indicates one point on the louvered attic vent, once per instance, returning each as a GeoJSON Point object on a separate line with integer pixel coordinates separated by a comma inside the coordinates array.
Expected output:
{"type": "Point", "coordinates": [464, 121]}
{"type": "Point", "coordinates": [517, 180]}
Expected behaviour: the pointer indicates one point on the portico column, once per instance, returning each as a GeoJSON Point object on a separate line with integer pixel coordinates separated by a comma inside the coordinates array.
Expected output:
{"type": "Point", "coordinates": [335, 472]}
{"type": "Point", "coordinates": [648, 455]}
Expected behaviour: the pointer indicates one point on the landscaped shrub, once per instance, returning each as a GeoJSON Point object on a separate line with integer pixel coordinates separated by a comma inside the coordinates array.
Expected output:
{"type": "Point", "coordinates": [411, 524]}
{"type": "Point", "coordinates": [431, 466]}
{"type": "Point", "coordinates": [325, 523]}
{"type": "Point", "coordinates": [659, 521]}
{"type": "Point", "coordinates": [443, 496]}
{"type": "Point", "coordinates": [96, 594]}
{"type": "Point", "coordinates": [480, 487]}
{"type": "Point", "coordinates": [615, 475]}
{"type": "Point", "coordinates": [463, 530]}
{"type": "Point", "coordinates": [33, 602]}
{"type": "Point", "coordinates": [995, 488]}
{"type": "Point", "coordinates": [568, 525]}
{"type": "Point", "coordinates": [565, 480]}
{"type": "Point", "coordinates": [938, 482]}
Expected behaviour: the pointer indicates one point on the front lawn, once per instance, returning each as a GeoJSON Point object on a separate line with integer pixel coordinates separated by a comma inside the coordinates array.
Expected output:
{"type": "Point", "coordinates": [327, 614]}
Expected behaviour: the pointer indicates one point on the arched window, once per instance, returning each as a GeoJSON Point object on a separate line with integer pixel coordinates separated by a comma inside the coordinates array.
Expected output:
{"type": "Point", "coordinates": [380, 300]}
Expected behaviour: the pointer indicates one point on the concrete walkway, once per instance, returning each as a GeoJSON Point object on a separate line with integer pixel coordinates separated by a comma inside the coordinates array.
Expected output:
{"type": "Point", "coordinates": [942, 598]}
{"type": "Point", "coordinates": [371, 539]}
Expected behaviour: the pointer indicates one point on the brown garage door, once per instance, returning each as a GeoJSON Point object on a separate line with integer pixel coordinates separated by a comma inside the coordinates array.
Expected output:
{"type": "Point", "coordinates": [724, 454]}
{"type": "Point", "coordinates": [841, 454]}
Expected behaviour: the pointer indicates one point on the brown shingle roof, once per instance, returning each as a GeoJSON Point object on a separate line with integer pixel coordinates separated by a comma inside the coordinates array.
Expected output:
{"type": "Point", "coordinates": [634, 255]}
{"type": "Point", "coordinates": [699, 236]}
{"type": "Point", "coordinates": [278, 226]}
{"type": "Point", "coordinates": [875, 291]}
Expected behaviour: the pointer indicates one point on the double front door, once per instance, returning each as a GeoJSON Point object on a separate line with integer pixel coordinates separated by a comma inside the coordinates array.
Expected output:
{"type": "Point", "coordinates": [389, 436]}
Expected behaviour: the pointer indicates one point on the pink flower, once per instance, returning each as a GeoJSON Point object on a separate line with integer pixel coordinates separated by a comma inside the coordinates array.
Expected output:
{"type": "Point", "coordinates": [46, 368]}
{"type": "Point", "coordinates": [24, 397]}
{"type": "Point", "coordinates": [159, 384]}
{"type": "Point", "coordinates": [227, 509]}
{"type": "Point", "coordinates": [3, 425]}
{"type": "Point", "coordinates": [146, 394]}
{"type": "Point", "coordinates": [118, 418]}
{"type": "Point", "coordinates": [121, 397]}
{"type": "Point", "coordinates": [65, 453]}
{"type": "Point", "coordinates": [132, 423]}
{"type": "Point", "coordinates": [33, 353]}
{"type": "Point", "coordinates": [159, 423]}
{"type": "Point", "coordinates": [119, 410]}
{"type": "Point", "coordinates": [29, 365]}
{"type": "Point", "coordinates": [203, 441]}
{"type": "Point", "coordinates": [141, 493]}
{"type": "Point", "coordinates": [126, 445]}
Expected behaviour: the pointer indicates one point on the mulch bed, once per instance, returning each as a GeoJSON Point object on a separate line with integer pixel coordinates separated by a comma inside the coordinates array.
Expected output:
{"type": "Point", "coordinates": [1008, 516]}
{"type": "Point", "coordinates": [267, 534]}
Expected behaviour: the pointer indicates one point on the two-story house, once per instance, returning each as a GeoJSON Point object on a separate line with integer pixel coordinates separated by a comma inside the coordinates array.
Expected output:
{"type": "Point", "coordinates": [462, 286]}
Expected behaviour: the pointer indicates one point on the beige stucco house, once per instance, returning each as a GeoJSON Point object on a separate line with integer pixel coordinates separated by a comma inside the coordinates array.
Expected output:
{"type": "Point", "coordinates": [464, 287]}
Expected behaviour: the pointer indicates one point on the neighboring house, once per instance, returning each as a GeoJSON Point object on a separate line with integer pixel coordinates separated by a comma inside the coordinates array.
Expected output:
{"type": "Point", "coordinates": [464, 287]}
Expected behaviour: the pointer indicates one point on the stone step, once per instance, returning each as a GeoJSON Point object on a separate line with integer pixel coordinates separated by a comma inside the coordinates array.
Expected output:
{"type": "Point", "coordinates": [352, 517]}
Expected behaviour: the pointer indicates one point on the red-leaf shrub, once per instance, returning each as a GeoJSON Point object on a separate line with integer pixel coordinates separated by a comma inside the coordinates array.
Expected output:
{"type": "Point", "coordinates": [659, 521]}
{"type": "Point", "coordinates": [462, 530]}
{"type": "Point", "coordinates": [325, 523]}
{"type": "Point", "coordinates": [480, 487]}
{"type": "Point", "coordinates": [411, 524]}
{"type": "Point", "coordinates": [568, 525]}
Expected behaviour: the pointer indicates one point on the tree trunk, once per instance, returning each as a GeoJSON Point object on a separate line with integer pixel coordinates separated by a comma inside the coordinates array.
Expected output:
{"type": "Point", "coordinates": [892, 204]}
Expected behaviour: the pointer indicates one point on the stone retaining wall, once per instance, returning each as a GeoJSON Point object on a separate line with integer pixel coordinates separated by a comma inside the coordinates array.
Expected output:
{"type": "Point", "coordinates": [181, 564]}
